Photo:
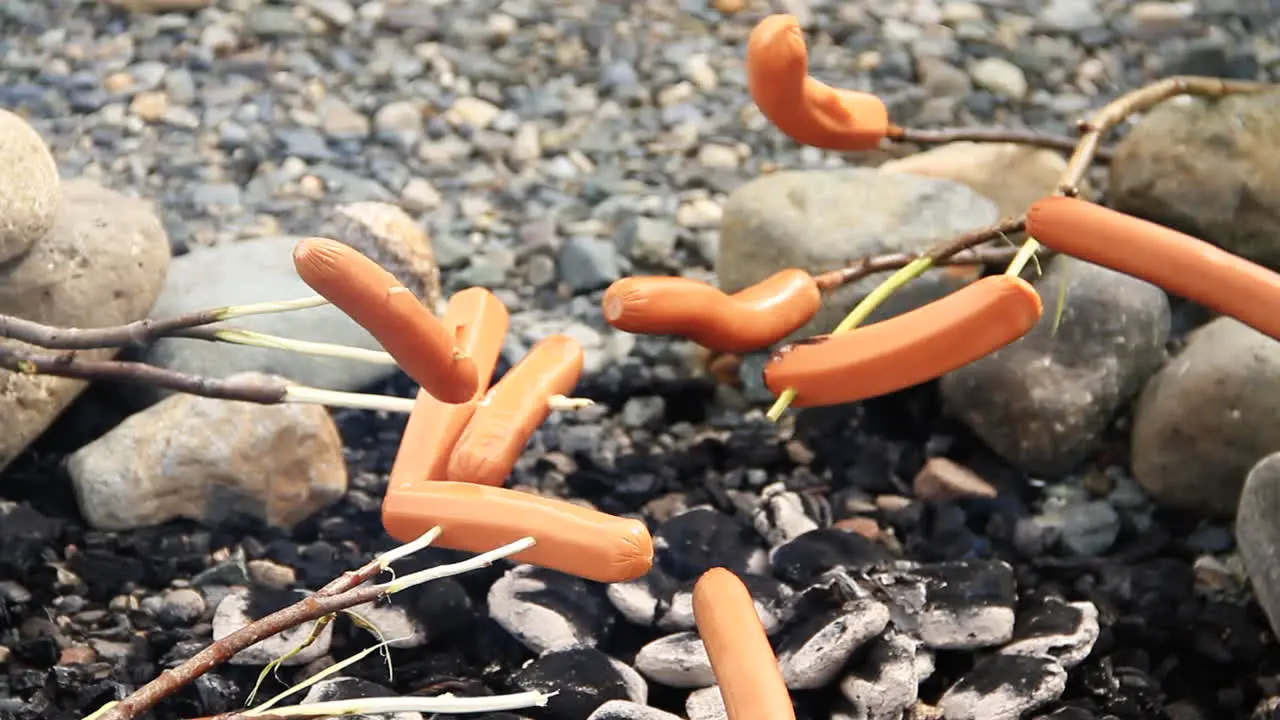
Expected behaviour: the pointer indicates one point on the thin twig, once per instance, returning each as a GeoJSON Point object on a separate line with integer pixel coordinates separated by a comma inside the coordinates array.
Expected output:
{"type": "Point", "coordinates": [990, 135]}
{"type": "Point", "coordinates": [344, 592]}
{"type": "Point", "coordinates": [969, 256]}
{"type": "Point", "coordinates": [263, 391]}
{"type": "Point", "coordinates": [141, 331]}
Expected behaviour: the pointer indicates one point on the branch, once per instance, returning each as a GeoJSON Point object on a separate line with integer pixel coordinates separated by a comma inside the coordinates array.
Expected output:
{"type": "Point", "coordinates": [58, 338]}
{"type": "Point", "coordinates": [959, 251]}
{"type": "Point", "coordinates": [71, 365]}
{"type": "Point", "coordinates": [990, 135]}
{"type": "Point", "coordinates": [342, 593]}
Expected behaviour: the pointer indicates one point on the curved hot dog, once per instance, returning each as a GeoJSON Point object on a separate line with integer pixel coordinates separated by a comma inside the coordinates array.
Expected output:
{"type": "Point", "coordinates": [741, 658]}
{"type": "Point", "coordinates": [1181, 264]}
{"type": "Point", "coordinates": [808, 111]}
{"type": "Point", "coordinates": [478, 321]}
{"type": "Point", "coordinates": [907, 349]}
{"type": "Point", "coordinates": [570, 538]}
{"type": "Point", "coordinates": [513, 409]}
{"type": "Point", "coordinates": [406, 328]}
{"type": "Point", "coordinates": [750, 319]}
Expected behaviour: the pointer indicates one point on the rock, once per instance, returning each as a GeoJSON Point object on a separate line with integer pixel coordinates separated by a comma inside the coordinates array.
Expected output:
{"type": "Point", "coordinates": [1194, 165]}
{"type": "Point", "coordinates": [648, 240]}
{"type": "Point", "coordinates": [705, 704]}
{"type": "Point", "coordinates": [1011, 175]}
{"type": "Point", "coordinates": [822, 220]}
{"type": "Point", "coordinates": [423, 613]}
{"type": "Point", "coordinates": [1000, 77]}
{"type": "Point", "coordinates": [802, 560]}
{"type": "Point", "coordinates": [1043, 401]}
{"type": "Point", "coordinates": [1004, 687]}
{"type": "Point", "coordinates": [812, 654]}
{"type": "Point", "coordinates": [679, 660]}
{"type": "Point", "coordinates": [588, 263]}
{"type": "Point", "coordinates": [332, 689]}
{"type": "Point", "coordinates": [31, 190]}
{"type": "Point", "coordinates": [1258, 534]}
{"type": "Point", "coordinates": [886, 684]}
{"type": "Point", "coordinates": [207, 459]}
{"type": "Point", "coordinates": [624, 710]}
{"type": "Point", "coordinates": [252, 271]}
{"type": "Point", "coordinates": [102, 264]}
{"type": "Point", "coordinates": [959, 605]}
{"type": "Point", "coordinates": [1084, 529]}
{"type": "Point", "coordinates": [547, 610]}
{"type": "Point", "coordinates": [582, 679]}
{"type": "Point", "coordinates": [1207, 417]}
{"type": "Point", "coordinates": [945, 479]}
{"type": "Point", "coordinates": [240, 608]}
{"type": "Point", "coordinates": [660, 600]}
{"type": "Point", "coordinates": [693, 542]}
{"type": "Point", "coordinates": [391, 238]}
{"type": "Point", "coordinates": [780, 515]}
{"type": "Point", "coordinates": [1058, 629]}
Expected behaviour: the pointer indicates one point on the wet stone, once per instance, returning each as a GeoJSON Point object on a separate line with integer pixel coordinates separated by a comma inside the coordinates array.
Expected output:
{"type": "Point", "coordinates": [547, 610]}
{"type": "Point", "coordinates": [625, 710]}
{"type": "Point", "coordinates": [1004, 687]}
{"type": "Point", "coordinates": [583, 679]}
{"type": "Point", "coordinates": [1058, 629]}
{"type": "Point", "coordinates": [812, 654]}
{"type": "Point", "coordinates": [958, 605]}
{"type": "Point", "coordinates": [802, 560]}
{"type": "Point", "coordinates": [658, 600]}
{"type": "Point", "coordinates": [679, 660]}
{"type": "Point", "coordinates": [886, 684]}
{"type": "Point", "coordinates": [349, 688]}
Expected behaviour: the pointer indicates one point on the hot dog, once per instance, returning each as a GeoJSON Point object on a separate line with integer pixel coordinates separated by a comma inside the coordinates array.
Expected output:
{"type": "Point", "coordinates": [741, 658]}
{"type": "Point", "coordinates": [1183, 265]}
{"type": "Point", "coordinates": [512, 410]}
{"type": "Point", "coordinates": [479, 322]}
{"type": "Point", "coordinates": [748, 320]}
{"type": "Point", "coordinates": [406, 328]}
{"type": "Point", "coordinates": [570, 538]}
{"type": "Point", "coordinates": [808, 111]}
{"type": "Point", "coordinates": [907, 349]}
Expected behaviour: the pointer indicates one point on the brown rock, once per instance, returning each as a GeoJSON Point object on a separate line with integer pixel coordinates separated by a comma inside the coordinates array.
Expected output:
{"type": "Point", "coordinates": [207, 459]}
{"type": "Point", "coordinates": [391, 238]}
{"type": "Point", "coordinates": [945, 479]}
{"type": "Point", "coordinates": [102, 264]}
{"type": "Point", "coordinates": [1206, 167]}
{"type": "Point", "coordinates": [30, 190]}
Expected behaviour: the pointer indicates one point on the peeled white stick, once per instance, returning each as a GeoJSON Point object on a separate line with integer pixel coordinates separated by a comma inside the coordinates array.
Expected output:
{"type": "Point", "coordinates": [425, 705]}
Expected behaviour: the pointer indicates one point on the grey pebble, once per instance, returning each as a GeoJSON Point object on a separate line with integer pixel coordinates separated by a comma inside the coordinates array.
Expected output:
{"type": "Point", "coordinates": [679, 660]}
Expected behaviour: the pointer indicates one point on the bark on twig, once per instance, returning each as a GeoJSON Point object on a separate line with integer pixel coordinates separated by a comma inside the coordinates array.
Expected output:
{"type": "Point", "coordinates": [70, 365]}
{"type": "Point", "coordinates": [991, 135]}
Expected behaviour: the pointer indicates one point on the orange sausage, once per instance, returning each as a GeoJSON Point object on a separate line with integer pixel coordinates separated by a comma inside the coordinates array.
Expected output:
{"type": "Point", "coordinates": [570, 538]}
{"type": "Point", "coordinates": [741, 658]}
{"type": "Point", "coordinates": [808, 111]}
{"type": "Point", "coordinates": [479, 322]}
{"type": "Point", "coordinates": [907, 349]}
{"type": "Point", "coordinates": [750, 319]}
{"type": "Point", "coordinates": [513, 409]}
{"type": "Point", "coordinates": [1183, 265]}
{"type": "Point", "coordinates": [406, 328]}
